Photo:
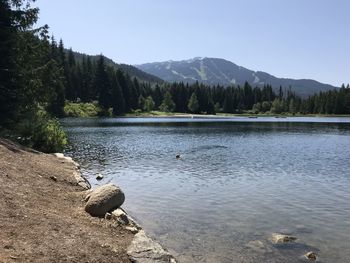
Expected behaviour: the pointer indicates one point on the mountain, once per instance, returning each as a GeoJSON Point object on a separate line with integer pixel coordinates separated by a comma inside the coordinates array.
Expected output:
{"type": "Point", "coordinates": [213, 71]}
{"type": "Point", "coordinates": [131, 70]}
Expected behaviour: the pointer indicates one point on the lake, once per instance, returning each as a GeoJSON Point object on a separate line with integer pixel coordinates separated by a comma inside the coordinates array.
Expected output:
{"type": "Point", "coordinates": [239, 180]}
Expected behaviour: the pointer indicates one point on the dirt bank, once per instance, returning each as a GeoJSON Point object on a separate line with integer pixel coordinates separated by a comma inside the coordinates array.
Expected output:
{"type": "Point", "coordinates": [43, 218]}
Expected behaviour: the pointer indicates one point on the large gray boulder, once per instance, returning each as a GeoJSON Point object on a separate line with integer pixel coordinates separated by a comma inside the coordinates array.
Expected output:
{"type": "Point", "coordinates": [104, 199]}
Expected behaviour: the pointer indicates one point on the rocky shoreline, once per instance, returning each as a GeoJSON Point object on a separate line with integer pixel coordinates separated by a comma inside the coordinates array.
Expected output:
{"type": "Point", "coordinates": [107, 203]}
{"type": "Point", "coordinates": [43, 217]}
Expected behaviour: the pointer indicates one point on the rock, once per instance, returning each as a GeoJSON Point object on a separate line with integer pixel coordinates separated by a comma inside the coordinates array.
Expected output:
{"type": "Point", "coordinates": [88, 194]}
{"type": "Point", "coordinates": [53, 178]}
{"type": "Point", "coordinates": [103, 199]}
{"type": "Point", "coordinates": [108, 216]}
{"type": "Point", "coordinates": [81, 181]}
{"type": "Point", "coordinates": [99, 177]}
{"type": "Point", "coordinates": [145, 250]}
{"type": "Point", "coordinates": [132, 229]}
{"type": "Point", "coordinates": [59, 155]}
{"type": "Point", "coordinates": [282, 239]}
{"type": "Point", "coordinates": [120, 216]}
{"type": "Point", "coordinates": [311, 256]}
{"type": "Point", "coordinates": [68, 159]}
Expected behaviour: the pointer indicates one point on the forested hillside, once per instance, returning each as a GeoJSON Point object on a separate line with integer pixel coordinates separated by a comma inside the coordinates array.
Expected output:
{"type": "Point", "coordinates": [129, 69]}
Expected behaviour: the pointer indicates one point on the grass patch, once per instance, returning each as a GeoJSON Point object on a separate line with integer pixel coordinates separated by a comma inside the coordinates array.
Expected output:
{"type": "Point", "coordinates": [138, 113]}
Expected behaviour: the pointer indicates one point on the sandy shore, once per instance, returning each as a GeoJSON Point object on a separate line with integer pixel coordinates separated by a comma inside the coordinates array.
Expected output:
{"type": "Point", "coordinates": [42, 213]}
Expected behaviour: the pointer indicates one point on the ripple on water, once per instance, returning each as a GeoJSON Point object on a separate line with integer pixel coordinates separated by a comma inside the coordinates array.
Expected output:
{"type": "Point", "coordinates": [234, 186]}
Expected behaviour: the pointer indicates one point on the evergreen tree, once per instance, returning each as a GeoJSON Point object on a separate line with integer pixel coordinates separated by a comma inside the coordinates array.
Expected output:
{"type": "Point", "coordinates": [118, 102]}
{"type": "Point", "coordinates": [157, 96]}
{"type": "Point", "coordinates": [52, 79]}
{"type": "Point", "coordinates": [9, 89]}
{"type": "Point", "coordinates": [102, 84]}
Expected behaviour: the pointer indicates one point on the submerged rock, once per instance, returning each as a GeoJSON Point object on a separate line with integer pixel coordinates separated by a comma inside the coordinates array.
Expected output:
{"type": "Point", "coordinates": [282, 239]}
{"type": "Point", "coordinates": [99, 177]}
{"type": "Point", "coordinates": [258, 246]}
{"type": "Point", "coordinates": [145, 250]}
{"type": "Point", "coordinates": [104, 199]}
{"type": "Point", "coordinates": [311, 256]}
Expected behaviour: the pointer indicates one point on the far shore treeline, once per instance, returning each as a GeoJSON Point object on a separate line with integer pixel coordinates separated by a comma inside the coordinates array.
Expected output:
{"type": "Point", "coordinates": [41, 81]}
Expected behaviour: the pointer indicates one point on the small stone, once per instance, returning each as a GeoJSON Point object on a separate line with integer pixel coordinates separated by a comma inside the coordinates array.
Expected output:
{"type": "Point", "coordinates": [99, 177]}
{"type": "Point", "coordinates": [59, 155]}
{"type": "Point", "coordinates": [8, 247]}
{"type": "Point", "coordinates": [311, 256]}
{"type": "Point", "coordinates": [108, 216]}
{"type": "Point", "coordinates": [120, 216]}
{"type": "Point", "coordinates": [54, 178]}
{"type": "Point", "coordinates": [132, 229]}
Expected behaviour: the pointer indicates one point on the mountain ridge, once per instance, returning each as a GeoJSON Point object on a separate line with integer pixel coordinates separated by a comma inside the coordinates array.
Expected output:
{"type": "Point", "coordinates": [129, 69]}
{"type": "Point", "coordinates": [213, 71]}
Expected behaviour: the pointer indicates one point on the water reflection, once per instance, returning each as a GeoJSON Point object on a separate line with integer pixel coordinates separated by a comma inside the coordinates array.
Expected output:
{"type": "Point", "coordinates": [235, 184]}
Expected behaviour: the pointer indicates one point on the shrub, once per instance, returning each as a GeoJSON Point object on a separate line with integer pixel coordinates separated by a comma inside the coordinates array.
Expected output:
{"type": "Point", "coordinates": [72, 109]}
{"type": "Point", "coordinates": [39, 131]}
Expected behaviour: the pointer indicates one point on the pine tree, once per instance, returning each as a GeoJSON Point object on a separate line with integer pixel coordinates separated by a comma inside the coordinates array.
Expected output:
{"type": "Point", "coordinates": [157, 96]}
{"type": "Point", "coordinates": [9, 90]}
{"type": "Point", "coordinates": [52, 79]}
{"type": "Point", "coordinates": [118, 102]}
{"type": "Point", "coordinates": [102, 84]}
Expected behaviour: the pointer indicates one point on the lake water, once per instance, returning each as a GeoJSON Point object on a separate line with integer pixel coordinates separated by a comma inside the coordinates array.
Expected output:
{"type": "Point", "coordinates": [239, 180]}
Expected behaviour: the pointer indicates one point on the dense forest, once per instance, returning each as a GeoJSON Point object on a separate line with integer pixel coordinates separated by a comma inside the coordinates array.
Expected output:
{"type": "Point", "coordinates": [91, 79]}
{"type": "Point", "coordinates": [39, 77]}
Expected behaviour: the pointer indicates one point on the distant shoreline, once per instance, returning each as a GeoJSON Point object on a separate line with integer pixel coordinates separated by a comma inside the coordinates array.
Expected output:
{"type": "Point", "coordinates": [224, 115]}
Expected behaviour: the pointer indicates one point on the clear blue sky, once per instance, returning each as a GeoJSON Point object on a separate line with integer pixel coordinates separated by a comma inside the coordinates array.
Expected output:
{"type": "Point", "coordinates": [287, 38]}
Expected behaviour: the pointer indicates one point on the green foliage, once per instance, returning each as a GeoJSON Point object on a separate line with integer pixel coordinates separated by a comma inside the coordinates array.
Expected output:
{"type": "Point", "coordinates": [256, 108]}
{"type": "Point", "coordinates": [41, 132]}
{"type": "Point", "coordinates": [149, 104]}
{"type": "Point", "coordinates": [265, 106]}
{"type": "Point", "coordinates": [102, 82]}
{"type": "Point", "coordinates": [277, 106]}
{"type": "Point", "coordinates": [141, 102]}
{"type": "Point", "coordinates": [193, 104]}
{"type": "Point", "coordinates": [72, 109]}
{"type": "Point", "coordinates": [217, 107]}
{"type": "Point", "coordinates": [168, 104]}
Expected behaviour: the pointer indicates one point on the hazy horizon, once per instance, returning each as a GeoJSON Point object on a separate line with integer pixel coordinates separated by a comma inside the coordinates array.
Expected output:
{"type": "Point", "coordinates": [294, 39]}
